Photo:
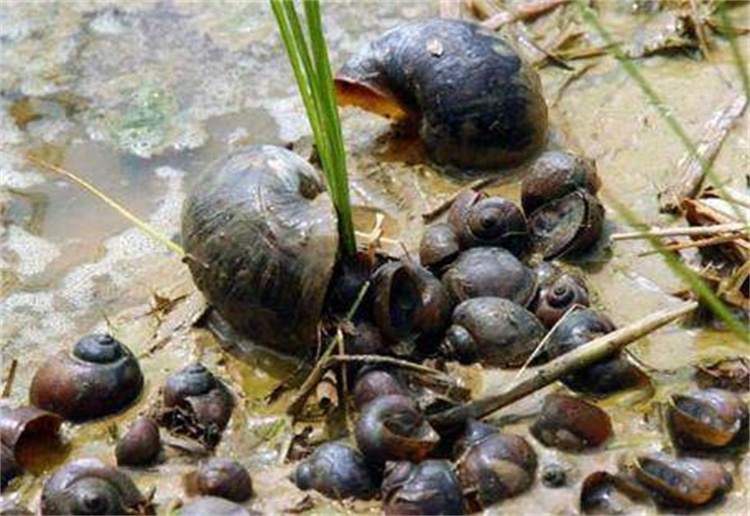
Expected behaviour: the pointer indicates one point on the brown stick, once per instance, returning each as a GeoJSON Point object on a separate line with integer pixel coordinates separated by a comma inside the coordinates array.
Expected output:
{"type": "Point", "coordinates": [10, 378]}
{"type": "Point", "coordinates": [693, 167]}
{"type": "Point", "coordinates": [579, 358]}
{"type": "Point", "coordinates": [733, 227]}
{"type": "Point", "coordinates": [704, 242]}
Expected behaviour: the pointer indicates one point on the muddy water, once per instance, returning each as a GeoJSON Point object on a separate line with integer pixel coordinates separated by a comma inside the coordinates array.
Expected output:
{"type": "Point", "coordinates": [139, 96]}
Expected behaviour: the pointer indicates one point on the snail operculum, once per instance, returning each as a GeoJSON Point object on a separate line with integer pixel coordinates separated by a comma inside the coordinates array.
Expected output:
{"type": "Point", "coordinates": [99, 377]}
{"type": "Point", "coordinates": [479, 105]}
{"type": "Point", "coordinates": [269, 201]}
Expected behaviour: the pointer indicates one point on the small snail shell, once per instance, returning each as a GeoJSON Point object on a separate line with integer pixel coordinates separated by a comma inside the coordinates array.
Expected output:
{"type": "Point", "coordinates": [205, 398]}
{"type": "Point", "coordinates": [88, 486]}
{"type": "Point", "coordinates": [499, 466]}
{"type": "Point", "coordinates": [439, 247]}
{"type": "Point", "coordinates": [479, 221]}
{"type": "Point", "coordinates": [558, 292]}
{"type": "Point", "coordinates": [337, 471]}
{"type": "Point", "coordinates": [428, 488]}
{"type": "Point", "coordinates": [374, 382]}
{"type": "Point", "coordinates": [492, 331]}
{"type": "Point", "coordinates": [393, 428]}
{"type": "Point", "coordinates": [732, 374]}
{"type": "Point", "coordinates": [682, 482]}
{"type": "Point", "coordinates": [707, 419]}
{"type": "Point", "coordinates": [224, 478]}
{"type": "Point", "coordinates": [269, 200]}
{"type": "Point", "coordinates": [605, 493]}
{"type": "Point", "coordinates": [98, 378]}
{"type": "Point", "coordinates": [490, 272]}
{"type": "Point", "coordinates": [556, 174]}
{"type": "Point", "coordinates": [410, 303]}
{"type": "Point", "coordinates": [140, 446]}
{"type": "Point", "coordinates": [479, 105]}
{"type": "Point", "coordinates": [571, 424]}
{"type": "Point", "coordinates": [214, 506]}
{"type": "Point", "coordinates": [566, 226]}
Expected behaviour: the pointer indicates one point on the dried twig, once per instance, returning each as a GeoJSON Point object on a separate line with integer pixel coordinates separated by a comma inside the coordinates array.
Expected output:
{"type": "Point", "coordinates": [579, 358]}
{"type": "Point", "coordinates": [733, 227]}
{"type": "Point", "coordinates": [10, 378]}
{"type": "Point", "coordinates": [693, 167]}
{"type": "Point", "coordinates": [527, 12]}
{"type": "Point", "coordinates": [704, 242]}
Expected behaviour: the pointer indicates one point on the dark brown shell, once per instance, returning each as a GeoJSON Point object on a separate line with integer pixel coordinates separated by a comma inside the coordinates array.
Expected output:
{"type": "Point", "coordinates": [610, 375]}
{"type": "Point", "coordinates": [393, 428]}
{"type": "Point", "coordinates": [473, 432]}
{"type": "Point", "coordinates": [498, 467]}
{"type": "Point", "coordinates": [261, 240]}
{"type": "Point", "coordinates": [88, 486]}
{"type": "Point", "coordinates": [682, 482]}
{"type": "Point", "coordinates": [481, 221]}
{"type": "Point", "coordinates": [492, 331]}
{"type": "Point", "coordinates": [706, 419]}
{"type": "Point", "coordinates": [439, 247]}
{"type": "Point", "coordinates": [566, 226]}
{"type": "Point", "coordinates": [479, 105]}
{"type": "Point", "coordinates": [428, 488]}
{"type": "Point", "coordinates": [214, 506]}
{"type": "Point", "coordinates": [490, 272]}
{"type": "Point", "coordinates": [220, 477]}
{"type": "Point", "coordinates": [571, 423]}
{"type": "Point", "coordinates": [374, 382]}
{"type": "Point", "coordinates": [24, 428]}
{"type": "Point", "coordinates": [556, 174]}
{"type": "Point", "coordinates": [99, 377]}
{"type": "Point", "coordinates": [605, 493]}
{"type": "Point", "coordinates": [410, 303]}
{"type": "Point", "coordinates": [140, 446]}
{"type": "Point", "coordinates": [196, 404]}
{"type": "Point", "coordinates": [558, 292]}
{"type": "Point", "coordinates": [337, 471]}
{"type": "Point", "coordinates": [732, 374]}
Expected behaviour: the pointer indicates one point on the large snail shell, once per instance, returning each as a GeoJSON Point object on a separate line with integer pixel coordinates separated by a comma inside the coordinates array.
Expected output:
{"type": "Point", "coordinates": [479, 220]}
{"type": "Point", "coordinates": [571, 423]}
{"type": "Point", "coordinates": [220, 477]}
{"type": "Point", "coordinates": [492, 331]}
{"type": "Point", "coordinates": [480, 105]}
{"type": "Point", "coordinates": [683, 482]}
{"type": "Point", "coordinates": [490, 272]}
{"type": "Point", "coordinates": [337, 471]}
{"type": "Point", "coordinates": [707, 419]}
{"type": "Point", "coordinates": [429, 488]}
{"type": "Point", "coordinates": [98, 378]}
{"type": "Point", "coordinates": [261, 240]}
{"type": "Point", "coordinates": [497, 467]}
{"type": "Point", "coordinates": [88, 486]}
{"type": "Point", "coordinates": [393, 428]}
{"type": "Point", "coordinates": [555, 174]}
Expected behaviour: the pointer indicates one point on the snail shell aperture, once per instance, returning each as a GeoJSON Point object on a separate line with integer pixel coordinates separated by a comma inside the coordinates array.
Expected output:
{"type": "Point", "coordinates": [479, 105]}
{"type": "Point", "coordinates": [98, 378]}
{"type": "Point", "coordinates": [707, 419]}
{"type": "Point", "coordinates": [261, 240]}
{"type": "Point", "coordinates": [88, 486]}
{"type": "Point", "coordinates": [337, 471]}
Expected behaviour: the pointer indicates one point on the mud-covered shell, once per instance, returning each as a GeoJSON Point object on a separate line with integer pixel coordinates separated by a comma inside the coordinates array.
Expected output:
{"type": "Point", "coordinates": [337, 471]}
{"type": "Point", "coordinates": [708, 419]}
{"type": "Point", "coordinates": [684, 482]}
{"type": "Point", "coordinates": [428, 488]}
{"type": "Point", "coordinates": [571, 423]}
{"type": "Point", "coordinates": [556, 174]}
{"type": "Point", "coordinates": [490, 272]}
{"type": "Point", "coordinates": [99, 377]}
{"type": "Point", "coordinates": [261, 240]}
{"type": "Point", "coordinates": [220, 477]}
{"type": "Point", "coordinates": [439, 247]}
{"type": "Point", "coordinates": [479, 220]}
{"type": "Point", "coordinates": [393, 428]}
{"type": "Point", "coordinates": [480, 105]}
{"type": "Point", "coordinates": [604, 377]}
{"type": "Point", "coordinates": [569, 225]}
{"type": "Point", "coordinates": [493, 331]}
{"type": "Point", "coordinates": [498, 467]}
{"type": "Point", "coordinates": [88, 486]}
